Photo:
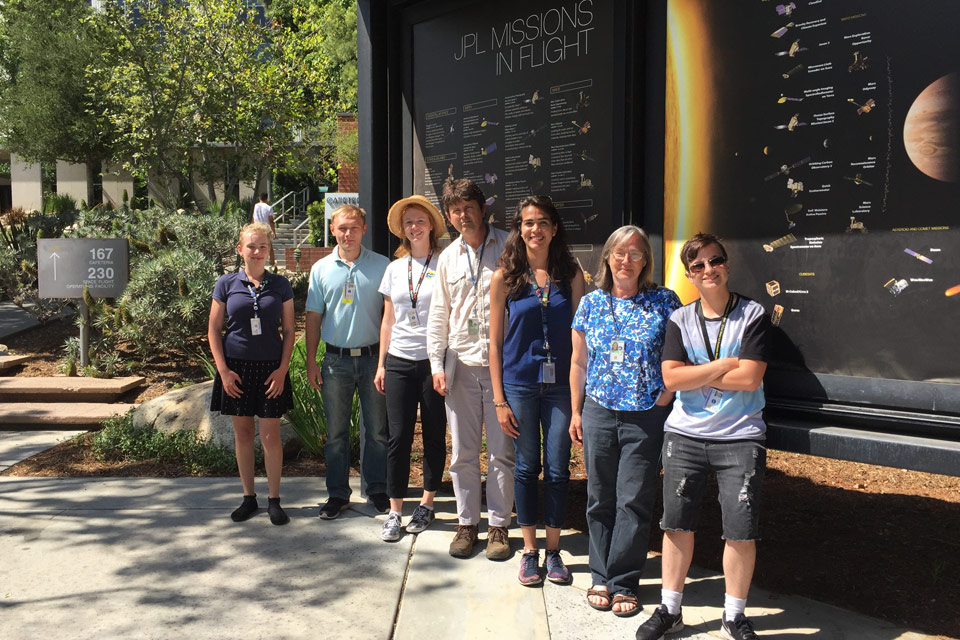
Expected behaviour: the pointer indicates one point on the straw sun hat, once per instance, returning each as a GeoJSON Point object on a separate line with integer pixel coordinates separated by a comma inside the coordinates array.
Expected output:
{"type": "Point", "coordinates": [395, 216]}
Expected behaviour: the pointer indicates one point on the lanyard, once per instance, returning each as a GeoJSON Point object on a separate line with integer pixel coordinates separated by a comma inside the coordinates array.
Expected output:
{"type": "Point", "coordinates": [543, 295]}
{"type": "Point", "coordinates": [715, 353]}
{"type": "Point", "coordinates": [255, 294]}
{"type": "Point", "coordinates": [616, 325]}
{"type": "Point", "coordinates": [414, 293]}
{"type": "Point", "coordinates": [474, 277]}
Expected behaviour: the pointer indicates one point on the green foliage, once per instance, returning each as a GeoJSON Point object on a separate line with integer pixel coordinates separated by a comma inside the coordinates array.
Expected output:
{"type": "Point", "coordinates": [307, 416]}
{"type": "Point", "coordinates": [56, 203]}
{"type": "Point", "coordinates": [120, 440]}
{"type": "Point", "coordinates": [315, 214]}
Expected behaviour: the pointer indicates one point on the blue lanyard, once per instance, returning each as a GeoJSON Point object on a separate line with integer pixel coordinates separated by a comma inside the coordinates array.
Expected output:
{"type": "Point", "coordinates": [543, 297]}
{"type": "Point", "coordinates": [483, 247]}
{"type": "Point", "coordinates": [255, 294]}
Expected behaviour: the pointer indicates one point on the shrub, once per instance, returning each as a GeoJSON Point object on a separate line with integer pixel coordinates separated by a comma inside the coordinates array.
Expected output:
{"type": "Point", "coordinates": [57, 203]}
{"type": "Point", "coordinates": [316, 215]}
{"type": "Point", "coordinates": [119, 440]}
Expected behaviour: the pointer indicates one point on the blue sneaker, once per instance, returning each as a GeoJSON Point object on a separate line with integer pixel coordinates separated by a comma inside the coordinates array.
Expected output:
{"type": "Point", "coordinates": [557, 572]}
{"type": "Point", "coordinates": [530, 569]}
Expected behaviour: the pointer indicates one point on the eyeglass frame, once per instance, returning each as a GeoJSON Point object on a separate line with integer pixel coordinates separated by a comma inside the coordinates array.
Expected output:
{"type": "Point", "coordinates": [715, 261]}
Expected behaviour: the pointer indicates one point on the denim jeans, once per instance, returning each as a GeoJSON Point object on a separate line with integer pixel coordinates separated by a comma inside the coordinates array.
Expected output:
{"type": "Point", "coordinates": [621, 450]}
{"type": "Point", "coordinates": [341, 375]}
{"type": "Point", "coordinates": [740, 467]}
{"type": "Point", "coordinates": [543, 415]}
{"type": "Point", "coordinates": [409, 383]}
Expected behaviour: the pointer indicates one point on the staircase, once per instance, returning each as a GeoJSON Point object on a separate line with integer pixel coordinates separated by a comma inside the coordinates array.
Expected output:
{"type": "Point", "coordinates": [289, 213]}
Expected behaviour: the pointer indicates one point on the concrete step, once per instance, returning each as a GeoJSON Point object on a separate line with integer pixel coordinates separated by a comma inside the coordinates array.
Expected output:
{"type": "Point", "coordinates": [63, 414]}
{"type": "Point", "coordinates": [7, 362]}
{"type": "Point", "coordinates": [66, 389]}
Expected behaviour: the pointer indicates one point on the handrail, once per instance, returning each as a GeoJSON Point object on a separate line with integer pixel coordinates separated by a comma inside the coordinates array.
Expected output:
{"type": "Point", "coordinates": [296, 232]}
{"type": "Point", "coordinates": [283, 211]}
{"type": "Point", "coordinates": [298, 204]}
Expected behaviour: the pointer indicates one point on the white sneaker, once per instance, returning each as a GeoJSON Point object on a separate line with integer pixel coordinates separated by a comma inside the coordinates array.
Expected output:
{"type": "Point", "coordinates": [391, 528]}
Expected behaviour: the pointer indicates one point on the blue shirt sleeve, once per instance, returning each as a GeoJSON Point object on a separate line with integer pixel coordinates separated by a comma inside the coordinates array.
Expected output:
{"type": "Point", "coordinates": [315, 301]}
{"type": "Point", "coordinates": [220, 289]}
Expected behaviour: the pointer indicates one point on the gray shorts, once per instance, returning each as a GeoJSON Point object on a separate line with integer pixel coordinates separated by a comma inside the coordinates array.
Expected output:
{"type": "Point", "coordinates": [739, 466]}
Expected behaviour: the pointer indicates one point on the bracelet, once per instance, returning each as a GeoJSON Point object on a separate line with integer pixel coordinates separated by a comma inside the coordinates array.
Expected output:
{"type": "Point", "coordinates": [501, 405]}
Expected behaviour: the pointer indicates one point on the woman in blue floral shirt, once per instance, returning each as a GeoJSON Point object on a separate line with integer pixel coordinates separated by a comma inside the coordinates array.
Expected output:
{"type": "Point", "coordinates": [618, 335]}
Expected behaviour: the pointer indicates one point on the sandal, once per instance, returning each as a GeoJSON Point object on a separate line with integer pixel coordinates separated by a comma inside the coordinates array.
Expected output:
{"type": "Point", "coordinates": [623, 598]}
{"type": "Point", "coordinates": [600, 594]}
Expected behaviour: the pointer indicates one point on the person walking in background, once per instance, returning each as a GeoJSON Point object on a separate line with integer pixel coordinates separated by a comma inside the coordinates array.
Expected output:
{"type": "Point", "coordinates": [403, 370]}
{"type": "Point", "coordinates": [618, 335]}
{"type": "Point", "coordinates": [252, 358]}
{"type": "Point", "coordinates": [714, 356]}
{"type": "Point", "coordinates": [263, 212]}
{"type": "Point", "coordinates": [458, 347]}
{"type": "Point", "coordinates": [535, 292]}
{"type": "Point", "coordinates": [344, 307]}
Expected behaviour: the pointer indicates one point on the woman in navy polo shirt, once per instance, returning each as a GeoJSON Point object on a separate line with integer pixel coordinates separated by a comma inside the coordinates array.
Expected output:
{"type": "Point", "coordinates": [539, 286]}
{"type": "Point", "coordinates": [252, 358]}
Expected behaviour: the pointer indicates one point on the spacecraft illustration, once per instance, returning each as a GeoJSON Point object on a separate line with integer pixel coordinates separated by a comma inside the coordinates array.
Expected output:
{"type": "Point", "coordinates": [792, 124]}
{"type": "Point", "coordinates": [795, 187]}
{"type": "Point", "coordinates": [584, 101]}
{"type": "Point", "coordinates": [585, 182]}
{"type": "Point", "coordinates": [533, 133]}
{"type": "Point", "coordinates": [784, 99]}
{"type": "Point", "coordinates": [921, 258]}
{"type": "Point", "coordinates": [779, 33]}
{"type": "Point", "coordinates": [779, 242]}
{"type": "Point", "coordinates": [792, 210]}
{"type": "Point", "coordinates": [866, 107]}
{"type": "Point", "coordinates": [585, 156]}
{"type": "Point", "coordinates": [773, 288]}
{"type": "Point", "coordinates": [856, 226]}
{"type": "Point", "coordinates": [792, 72]}
{"type": "Point", "coordinates": [490, 178]}
{"type": "Point", "coordinates": [952, 291]}
{"type": "Point", "coordinates": [534, 98]}
{"type": "Point", "coordinates": [858, 180]}
{"type": "Point", "coordinates": [786, 9]}
{"type": "Point", "coordinates": [487, 150]}
{"type": "Point", "coordinates": [895, 287]}
{"type": "Point", "coordinates": [581, 128]}
{"type": "Point", "coordinates": [859, 62]}
{"type": "Point", "coordinates": [534, 161]}
{"type": "Point", "coordinates": [786, 169]}
{"type": "Point", "coordinates": [776, 315]}
{"type": "Point", "coordinates": [486, 123]}
{"type": "Point", "coordinates": [792, 50]}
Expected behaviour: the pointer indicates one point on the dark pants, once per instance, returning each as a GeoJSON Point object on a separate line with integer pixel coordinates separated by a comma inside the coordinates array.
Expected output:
{"type": "Point", "coordinates": [409, 383]}
{"type": "Point", "coordinates": [622, 454]}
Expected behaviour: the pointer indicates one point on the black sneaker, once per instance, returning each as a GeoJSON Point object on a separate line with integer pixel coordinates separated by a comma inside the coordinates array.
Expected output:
{"type": "Point", "coordinates": [381, 502]}
{"type": "Point", "coordinates": [332, 507]}
{"type": "Point", "coordinates": [421, 519]}
{"type": "Point", "coordinates": [660, 624]}
{"type": "Point", "coordinates": [740, 629]}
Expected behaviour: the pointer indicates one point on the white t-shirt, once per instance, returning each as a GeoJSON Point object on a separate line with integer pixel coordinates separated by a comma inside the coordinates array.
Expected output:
{"type": "Point", "coordinates": [262, 212]}
{"type": "Point", "coordinates": [408, 341]}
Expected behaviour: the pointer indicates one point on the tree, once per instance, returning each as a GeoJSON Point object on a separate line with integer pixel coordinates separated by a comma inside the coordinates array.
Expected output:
{"type": "Point", "coordinates": [49, 109]}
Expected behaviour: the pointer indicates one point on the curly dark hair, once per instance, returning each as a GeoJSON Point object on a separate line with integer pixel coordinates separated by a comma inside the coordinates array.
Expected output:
{"type": "Point", "coordinates": [560, 263]}
{"type": "Point", "coordinates": [461, 189]}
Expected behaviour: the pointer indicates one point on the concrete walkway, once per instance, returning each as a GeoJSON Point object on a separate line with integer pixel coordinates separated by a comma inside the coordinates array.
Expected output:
{"type": "Point", "coordinates": [20, 445]}
{"type": "Point", "coordinates": [160, 558]}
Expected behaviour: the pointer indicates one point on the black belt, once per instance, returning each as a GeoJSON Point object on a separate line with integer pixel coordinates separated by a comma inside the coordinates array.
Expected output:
{"type": "Point", "coordinates": [372, 350]}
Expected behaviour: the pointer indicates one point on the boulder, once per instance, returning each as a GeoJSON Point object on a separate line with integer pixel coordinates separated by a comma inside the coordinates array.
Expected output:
{"type": "Point", "coordinates": [189, 408]}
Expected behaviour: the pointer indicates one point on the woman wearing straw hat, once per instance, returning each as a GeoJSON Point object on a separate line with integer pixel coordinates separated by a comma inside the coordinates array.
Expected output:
{"type": "Point", "coordinates": [403, 372]}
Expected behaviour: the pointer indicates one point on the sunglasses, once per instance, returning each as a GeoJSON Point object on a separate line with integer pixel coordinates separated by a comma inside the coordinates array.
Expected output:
{"type": "Point", "coordinates": [715, 261]}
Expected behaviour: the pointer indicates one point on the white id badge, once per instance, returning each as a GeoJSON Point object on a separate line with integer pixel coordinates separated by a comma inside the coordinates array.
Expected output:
{"type": "Point", "coordinates": [412, 318]}
{"type": "Point", "coordinates": [349, 289]}
{"type": "Point", "coordinates": [548, 372]}
{"type": "Point", "coordinates": [255, 326]}
{"type": "Point", "coordinates": [712, 404]}
{"type": "Point", "coordinates": [616, 350]}
{"type": "Point", "coordinates": [473, 327]}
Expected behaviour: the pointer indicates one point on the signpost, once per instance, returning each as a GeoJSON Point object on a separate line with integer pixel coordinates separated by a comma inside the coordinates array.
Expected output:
{"type": "Point", "coordinates": [66, 265]}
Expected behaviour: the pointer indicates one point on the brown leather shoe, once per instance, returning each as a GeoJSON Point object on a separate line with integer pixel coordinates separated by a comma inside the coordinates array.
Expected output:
{"type": "Point", "coordinates": [498, 543]}
{"type": "Point", "coordinates": [462, 545]}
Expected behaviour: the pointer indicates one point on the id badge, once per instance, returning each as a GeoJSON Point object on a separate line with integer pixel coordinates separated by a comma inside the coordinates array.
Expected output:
{"type": "Point", "coordinates": [548, 372]}
{"type": "Point", "coordinates": [349, 289]}
{"type": "Point", "coordinates": [255, 326]}
{"type": "Point", "coordinates": [712, 404]}
{"type": "Point", "coordinates": [473, 327]}
{"type": "Point", "coordinates": [412, 318]}
{"type": "Point", "coordinates": [616, 351]}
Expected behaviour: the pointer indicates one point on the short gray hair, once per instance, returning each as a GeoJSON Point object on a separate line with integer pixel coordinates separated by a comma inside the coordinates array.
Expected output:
{"type": "Point", "coordinates": [604, 277]}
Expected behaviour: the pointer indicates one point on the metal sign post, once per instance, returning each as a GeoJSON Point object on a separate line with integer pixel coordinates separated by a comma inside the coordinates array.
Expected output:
{"type": "Point", "coordinates": [66, 265]}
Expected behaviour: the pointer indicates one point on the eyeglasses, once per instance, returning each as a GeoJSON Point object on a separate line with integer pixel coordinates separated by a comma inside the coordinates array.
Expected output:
{"type": "Point", "coordinates": [715, 261]}
{"type": "Point", "coordinates": [635, 256]}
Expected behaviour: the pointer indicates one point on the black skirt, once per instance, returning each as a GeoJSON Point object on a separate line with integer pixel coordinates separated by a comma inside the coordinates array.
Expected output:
{"type": "Point", "coordinates": [254, 400]}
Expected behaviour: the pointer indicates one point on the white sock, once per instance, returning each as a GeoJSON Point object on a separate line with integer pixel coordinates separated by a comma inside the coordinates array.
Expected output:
{"type": "Point", "coordinates": [732, 607]}
{"type": "Point", "coordinates": [394, 513]}
{"type": "Point", "coordinates": [427, 506]}
{"type": "Point", "coordinates": [671, 600]}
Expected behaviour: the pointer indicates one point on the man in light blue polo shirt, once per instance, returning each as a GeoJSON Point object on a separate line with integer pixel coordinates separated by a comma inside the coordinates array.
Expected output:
{"type": "Point", "coordinates": [345, 307]}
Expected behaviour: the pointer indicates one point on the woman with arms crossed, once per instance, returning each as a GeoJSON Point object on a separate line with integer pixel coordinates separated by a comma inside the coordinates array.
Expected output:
{"type": "Point", "coordinates": [539, 285]}
{"type": "Point", "coordinates": [403, 372]}
{"type": "Point", "coordinates": [252, 358]}
{"type": "Point", "coordinates": [618, 335]}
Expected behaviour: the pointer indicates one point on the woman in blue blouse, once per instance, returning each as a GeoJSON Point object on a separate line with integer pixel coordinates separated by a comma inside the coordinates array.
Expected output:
{"type": "Point", "coordinates": [252, 359]}
{"type": "Point", "coordinates": [539, 286]}
{"type": "Point", "coordinates": [618, 335]}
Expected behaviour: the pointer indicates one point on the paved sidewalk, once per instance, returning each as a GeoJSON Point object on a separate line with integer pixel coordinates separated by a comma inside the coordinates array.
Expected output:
{"type": "Point", "coordinates": [14, 320]}
{"type": "Point", "coordinates": [20, 445]}
{"type": "Point", "coordinates": [160, 558]}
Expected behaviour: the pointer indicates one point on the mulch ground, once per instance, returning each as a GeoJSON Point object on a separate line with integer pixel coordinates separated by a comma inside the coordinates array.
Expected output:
{"type": "Point", "coordinates": [875, 540]}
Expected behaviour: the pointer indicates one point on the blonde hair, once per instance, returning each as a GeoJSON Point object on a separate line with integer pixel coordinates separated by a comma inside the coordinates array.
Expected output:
{"type": "Point", "coordinates": [604, 277]}
{"type": "Point", "coordinates": [257, 227]}
{"type": "Point", "coordinates": [349, 211]}
{"type": "Point", "coordinates": [404, 247]}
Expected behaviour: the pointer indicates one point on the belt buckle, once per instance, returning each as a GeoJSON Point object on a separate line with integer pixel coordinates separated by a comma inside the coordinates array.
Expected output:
{"type": "Point", "coordinates": [356, 352]}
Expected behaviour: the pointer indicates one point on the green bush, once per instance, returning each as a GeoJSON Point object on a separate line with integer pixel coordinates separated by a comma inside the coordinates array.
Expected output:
{"type": "Point", "coordinates": [315, 213]}
{"type": "Point", "coordinates": [119, 440]}
{"type": "Point", "coordinates": [58, 203]}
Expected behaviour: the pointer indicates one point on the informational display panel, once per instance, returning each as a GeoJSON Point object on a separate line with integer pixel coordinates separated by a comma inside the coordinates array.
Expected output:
{"type": "Point", "coordinates": [66, 265]}
{"type": "Point", "coordinates": [821, 140]}
{"type": "Point", "coordinates": [517, 96]}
